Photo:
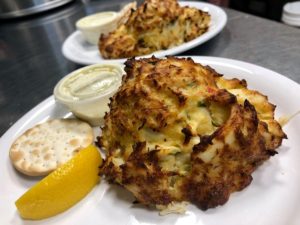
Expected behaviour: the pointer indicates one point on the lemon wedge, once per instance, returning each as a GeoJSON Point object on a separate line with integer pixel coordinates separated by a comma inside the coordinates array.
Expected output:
{"type": "Point", "coordinates": [63, 188]}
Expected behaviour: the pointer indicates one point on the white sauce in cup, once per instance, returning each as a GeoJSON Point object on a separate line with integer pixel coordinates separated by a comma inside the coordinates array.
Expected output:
{"type": "Point", "coordinates": [86, 91]}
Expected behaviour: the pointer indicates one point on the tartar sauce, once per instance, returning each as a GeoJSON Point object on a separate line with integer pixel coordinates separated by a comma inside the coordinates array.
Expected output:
{"type": "Point", "coordinates": [90, 83]}
{"type": "Point", "coordinates": [86, 91]}
{"type": "Point", "coordinates": [97, 19]}
{"type": "Point", "coordinates": [94, 25]}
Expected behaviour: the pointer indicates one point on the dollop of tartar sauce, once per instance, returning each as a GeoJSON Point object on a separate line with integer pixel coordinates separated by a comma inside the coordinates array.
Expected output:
{"type": "Point", "coordinates": [94, 25]}
{"type": "Point", "coordinates": [97, 19]}
{"type": "Point", "coordinates": [90, 83]}
{"type": "Point", "coordinates": [86, 91]}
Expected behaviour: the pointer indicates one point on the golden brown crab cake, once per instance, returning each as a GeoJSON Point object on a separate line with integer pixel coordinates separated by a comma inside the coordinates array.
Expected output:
{"type": "Point", "coordinates": [265, 110]}
{"type": "Point", "coordinates": [155, 25]}
{"type": "Point", "coordinates": [176, 132]}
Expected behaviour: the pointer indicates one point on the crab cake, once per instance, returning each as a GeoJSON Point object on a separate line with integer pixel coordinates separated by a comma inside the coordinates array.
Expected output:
{"type": "Point", "coordinates": [179, 131]}
{"type": "Point", "coordinates": [155, 25]}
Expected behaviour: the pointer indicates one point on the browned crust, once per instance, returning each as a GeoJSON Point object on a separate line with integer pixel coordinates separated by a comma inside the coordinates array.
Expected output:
{"type": "Point", "coordinates": [155, 97]}
{"type": "Point", "coordinates": [155, 25]}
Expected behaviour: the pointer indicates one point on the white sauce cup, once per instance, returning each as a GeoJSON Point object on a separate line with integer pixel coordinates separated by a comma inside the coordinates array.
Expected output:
{"type": "Point", "coordinates": [86, 91]}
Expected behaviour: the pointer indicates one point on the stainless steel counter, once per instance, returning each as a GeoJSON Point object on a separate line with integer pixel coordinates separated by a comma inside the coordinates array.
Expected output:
{"type": "Point", "coordinates": [31, 61]}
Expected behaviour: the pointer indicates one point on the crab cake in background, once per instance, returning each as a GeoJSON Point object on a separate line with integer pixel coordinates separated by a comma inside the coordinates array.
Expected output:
{"type": "Point", "coordinates": [155, 25]}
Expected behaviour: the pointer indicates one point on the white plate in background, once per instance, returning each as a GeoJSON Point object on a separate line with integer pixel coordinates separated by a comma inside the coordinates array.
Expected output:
{"type": "Point", "coordinates": [271, 199]}
{"type": "Point", "coordinates": [76, 49]}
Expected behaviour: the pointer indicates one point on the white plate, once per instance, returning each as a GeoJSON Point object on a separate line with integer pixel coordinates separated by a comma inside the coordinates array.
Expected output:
{"type": "Point", "coordinates": [271, 199]}
{"type": "Point", "coordinates": [76, 49]}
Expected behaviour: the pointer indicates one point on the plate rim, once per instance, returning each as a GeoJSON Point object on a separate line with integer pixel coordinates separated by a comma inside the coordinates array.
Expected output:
{"type": "Point", "coordinates": [172, 51]}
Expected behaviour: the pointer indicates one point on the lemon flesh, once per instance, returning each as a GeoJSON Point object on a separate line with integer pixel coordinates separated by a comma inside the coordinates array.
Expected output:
{"type": "Point", "coordinates": [63, 188]}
